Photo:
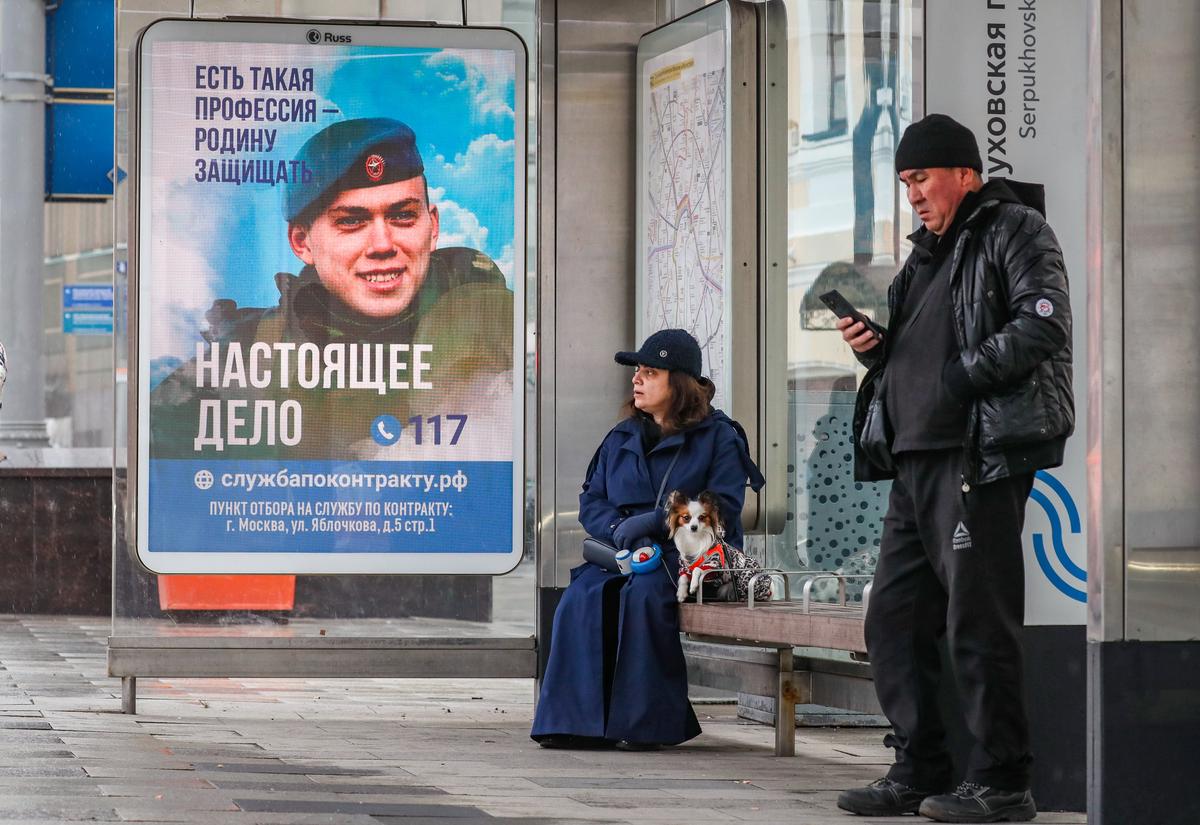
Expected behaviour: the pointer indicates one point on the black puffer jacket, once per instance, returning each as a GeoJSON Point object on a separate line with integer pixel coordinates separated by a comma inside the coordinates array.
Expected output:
{"type": "Point", "coordinates": [1012, 317]}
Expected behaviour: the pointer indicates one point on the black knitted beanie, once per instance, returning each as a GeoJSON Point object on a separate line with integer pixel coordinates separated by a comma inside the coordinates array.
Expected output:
{"type": "Point", "coordinates": [937, 141]}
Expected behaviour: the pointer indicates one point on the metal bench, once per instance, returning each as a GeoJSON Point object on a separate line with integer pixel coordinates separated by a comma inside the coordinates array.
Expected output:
{"type": "Point", "coordinates": [783, 624]}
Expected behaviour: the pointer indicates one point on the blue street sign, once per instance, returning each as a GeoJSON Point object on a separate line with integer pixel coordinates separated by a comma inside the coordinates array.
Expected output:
{"type": "Point", "coordinates": [79, 149]}
{"type": "Point", "coordinates": [96, 322]}
{"type": "Point", "coordinates": [79, 120]}
{"type": "Point", "coordinates": [88, 296]}
{"type": "Point", "coordinates": [79, 45]}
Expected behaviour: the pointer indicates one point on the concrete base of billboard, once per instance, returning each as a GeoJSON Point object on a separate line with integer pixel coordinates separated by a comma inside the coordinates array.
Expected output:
{"type": "Point", "coordinates": [1144, 726]}
{"type": "Point", "coordinates": [56, 540]}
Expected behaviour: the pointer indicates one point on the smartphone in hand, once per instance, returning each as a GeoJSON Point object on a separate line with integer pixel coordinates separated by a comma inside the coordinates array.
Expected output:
{"type": "Point", "coordinates": [844, 309]}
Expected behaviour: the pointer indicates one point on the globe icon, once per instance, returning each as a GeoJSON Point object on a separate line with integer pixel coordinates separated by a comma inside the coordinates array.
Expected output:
{"type": "Point", "coordinates": [203, 480]}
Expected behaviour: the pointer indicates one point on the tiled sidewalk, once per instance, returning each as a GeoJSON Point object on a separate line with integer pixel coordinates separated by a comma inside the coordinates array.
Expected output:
{"type": "Point", "coordinates": [449, 752]}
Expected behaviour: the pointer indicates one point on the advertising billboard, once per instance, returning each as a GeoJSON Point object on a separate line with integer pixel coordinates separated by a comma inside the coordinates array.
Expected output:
{"type": "Point", "coordinates": [1017, 76]}
{"type": "Point", "coordinates": [328, 291]}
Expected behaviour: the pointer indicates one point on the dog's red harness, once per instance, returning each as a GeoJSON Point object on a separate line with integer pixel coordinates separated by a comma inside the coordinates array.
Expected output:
{"type": "Point", "coordinates": [711, 559]}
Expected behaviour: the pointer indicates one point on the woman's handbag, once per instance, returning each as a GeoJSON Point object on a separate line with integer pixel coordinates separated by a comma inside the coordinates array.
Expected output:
{"type": "Point", "coordinates": [600, 554]}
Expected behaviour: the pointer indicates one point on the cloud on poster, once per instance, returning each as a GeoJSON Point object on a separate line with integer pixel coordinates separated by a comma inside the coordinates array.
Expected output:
{"type": "Point", "coordinates": [488, 77]}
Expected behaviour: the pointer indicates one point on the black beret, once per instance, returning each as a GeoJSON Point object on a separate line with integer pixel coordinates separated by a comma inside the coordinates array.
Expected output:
{"type": "Point", "coordinates": [353, 154]}
{"type": "Point", "coordinates": [935, 142]}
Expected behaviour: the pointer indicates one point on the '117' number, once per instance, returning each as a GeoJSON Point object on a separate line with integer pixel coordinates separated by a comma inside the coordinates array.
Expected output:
{"type": "Point", "coordinates": [435, 423]}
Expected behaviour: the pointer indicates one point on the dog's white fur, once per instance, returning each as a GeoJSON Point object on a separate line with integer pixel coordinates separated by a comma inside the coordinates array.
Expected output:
{"type": "Point", "coordinates": [695, 526]}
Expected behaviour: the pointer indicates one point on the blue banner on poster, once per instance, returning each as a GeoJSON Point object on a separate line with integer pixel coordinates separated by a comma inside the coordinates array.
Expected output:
{"type": "Point", "coordinates": [331, 507]}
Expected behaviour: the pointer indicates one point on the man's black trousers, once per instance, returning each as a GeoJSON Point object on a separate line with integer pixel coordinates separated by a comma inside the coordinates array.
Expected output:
{"type": "Point", "coordinates": [950, 562]}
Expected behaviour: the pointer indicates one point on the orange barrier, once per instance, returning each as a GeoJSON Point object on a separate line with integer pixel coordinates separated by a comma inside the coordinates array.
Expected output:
{"type": "Point", "coordinates": [178, 592]}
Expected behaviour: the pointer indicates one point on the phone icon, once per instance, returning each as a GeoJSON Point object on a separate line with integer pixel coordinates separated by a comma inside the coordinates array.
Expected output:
{"type": "Point", "coordinates": [386, 430]}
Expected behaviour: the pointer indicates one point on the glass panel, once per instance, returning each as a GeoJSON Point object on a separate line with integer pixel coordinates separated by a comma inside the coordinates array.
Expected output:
{"type": "Point", "coordinates": [79, 341]}
{"type": "Point", "coordinates": [850, 94]}
{"type": "Point", "coordinates": [467, 606]}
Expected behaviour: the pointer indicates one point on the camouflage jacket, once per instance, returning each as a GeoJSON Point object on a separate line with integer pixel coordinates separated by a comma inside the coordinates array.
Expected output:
{"type": "Point", "coordinates": [463, 310]}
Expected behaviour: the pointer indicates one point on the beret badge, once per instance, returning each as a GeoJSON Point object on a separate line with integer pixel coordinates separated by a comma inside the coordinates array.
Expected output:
{"type": "Point", "coordinates": [374, 167]}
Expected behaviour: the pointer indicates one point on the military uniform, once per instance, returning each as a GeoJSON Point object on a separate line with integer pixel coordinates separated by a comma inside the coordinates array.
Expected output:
{"type": "Point", "coordinates": [463, 310]}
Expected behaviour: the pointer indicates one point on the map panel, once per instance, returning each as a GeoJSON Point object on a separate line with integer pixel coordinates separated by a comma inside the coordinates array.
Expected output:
{"type": "Point", "coordinates": [685, 229]}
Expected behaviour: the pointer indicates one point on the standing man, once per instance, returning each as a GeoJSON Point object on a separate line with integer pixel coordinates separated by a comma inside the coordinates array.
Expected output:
{"type": "Point", "coordinates": [967, 395]}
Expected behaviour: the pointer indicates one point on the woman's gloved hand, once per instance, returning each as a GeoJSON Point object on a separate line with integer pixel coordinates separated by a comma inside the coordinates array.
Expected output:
{"type": "Point", "coordinates": [631, 532]}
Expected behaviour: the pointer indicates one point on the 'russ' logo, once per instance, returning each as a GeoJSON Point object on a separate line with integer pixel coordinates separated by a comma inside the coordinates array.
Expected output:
{"type": "Point", "coordinates": [314, 37]}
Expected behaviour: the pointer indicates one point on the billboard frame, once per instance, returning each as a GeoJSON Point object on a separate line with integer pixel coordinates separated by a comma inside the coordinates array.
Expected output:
{"type": "Point", "coordinates": [382, 33]}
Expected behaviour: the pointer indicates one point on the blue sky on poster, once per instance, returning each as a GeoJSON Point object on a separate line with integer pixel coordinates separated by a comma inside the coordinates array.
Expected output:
{"type": "Point", "coordinates": [228, 241]}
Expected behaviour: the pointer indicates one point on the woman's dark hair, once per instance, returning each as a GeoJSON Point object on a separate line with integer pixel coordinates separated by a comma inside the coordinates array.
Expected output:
{"type": "Point", "coordinates": [690, 402]}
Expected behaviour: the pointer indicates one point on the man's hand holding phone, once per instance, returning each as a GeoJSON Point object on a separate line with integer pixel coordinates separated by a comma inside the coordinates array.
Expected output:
{"type": "Point", "coordinates": [858, 335]}
{"type": "Point", "coordinates": [857, 331]}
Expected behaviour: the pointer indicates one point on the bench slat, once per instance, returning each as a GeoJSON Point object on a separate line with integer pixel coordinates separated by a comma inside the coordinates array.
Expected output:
{"type": "Point", "coordinates": [775, 626]}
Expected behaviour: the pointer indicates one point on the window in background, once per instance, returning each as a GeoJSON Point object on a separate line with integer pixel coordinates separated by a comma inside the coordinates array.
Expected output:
{"type": "Point", "coordinates": [836, 39]}
{"type": "Point", "coordinates": [852, 72]}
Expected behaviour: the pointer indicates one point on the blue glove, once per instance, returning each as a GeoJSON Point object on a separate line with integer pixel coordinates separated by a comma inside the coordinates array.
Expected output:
{"type": "Point", "coordinates": [633, 531]}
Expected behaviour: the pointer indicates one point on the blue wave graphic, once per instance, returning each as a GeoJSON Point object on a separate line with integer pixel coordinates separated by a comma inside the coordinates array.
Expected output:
{"type": "Point", "coordinates": [1039, 551]}
{"type": "Point", "coordinates": [1060, 488]}
{"type": "Point", "coordinates": [1056, 532]}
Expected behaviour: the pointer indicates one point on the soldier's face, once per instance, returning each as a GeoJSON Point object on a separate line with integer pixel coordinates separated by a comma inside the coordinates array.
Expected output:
{"type": "Point", "coordinates": [371, 247]}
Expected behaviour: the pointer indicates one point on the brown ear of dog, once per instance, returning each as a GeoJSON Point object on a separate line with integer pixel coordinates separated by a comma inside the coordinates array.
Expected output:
{"type": "Point", "coordinates": [713, 504]}
{"type": "Point", "coordinates": [678, 500]}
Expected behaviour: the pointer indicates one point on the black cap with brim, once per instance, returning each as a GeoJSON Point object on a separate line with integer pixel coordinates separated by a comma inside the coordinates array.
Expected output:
{"type": "Point", "coordinates": [667, 349]}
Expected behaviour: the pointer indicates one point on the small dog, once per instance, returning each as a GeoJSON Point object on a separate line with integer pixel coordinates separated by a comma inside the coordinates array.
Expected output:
{"type": "Point", "coordinates": [695, 527]}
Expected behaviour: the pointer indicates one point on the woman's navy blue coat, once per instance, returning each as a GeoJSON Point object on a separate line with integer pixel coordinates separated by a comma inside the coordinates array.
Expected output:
{"type": "Point", "coordinates": [616, 667]}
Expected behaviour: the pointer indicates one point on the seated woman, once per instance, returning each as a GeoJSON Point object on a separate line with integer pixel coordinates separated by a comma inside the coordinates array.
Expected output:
{"type": "Point", "coordinates": [616, 674]}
